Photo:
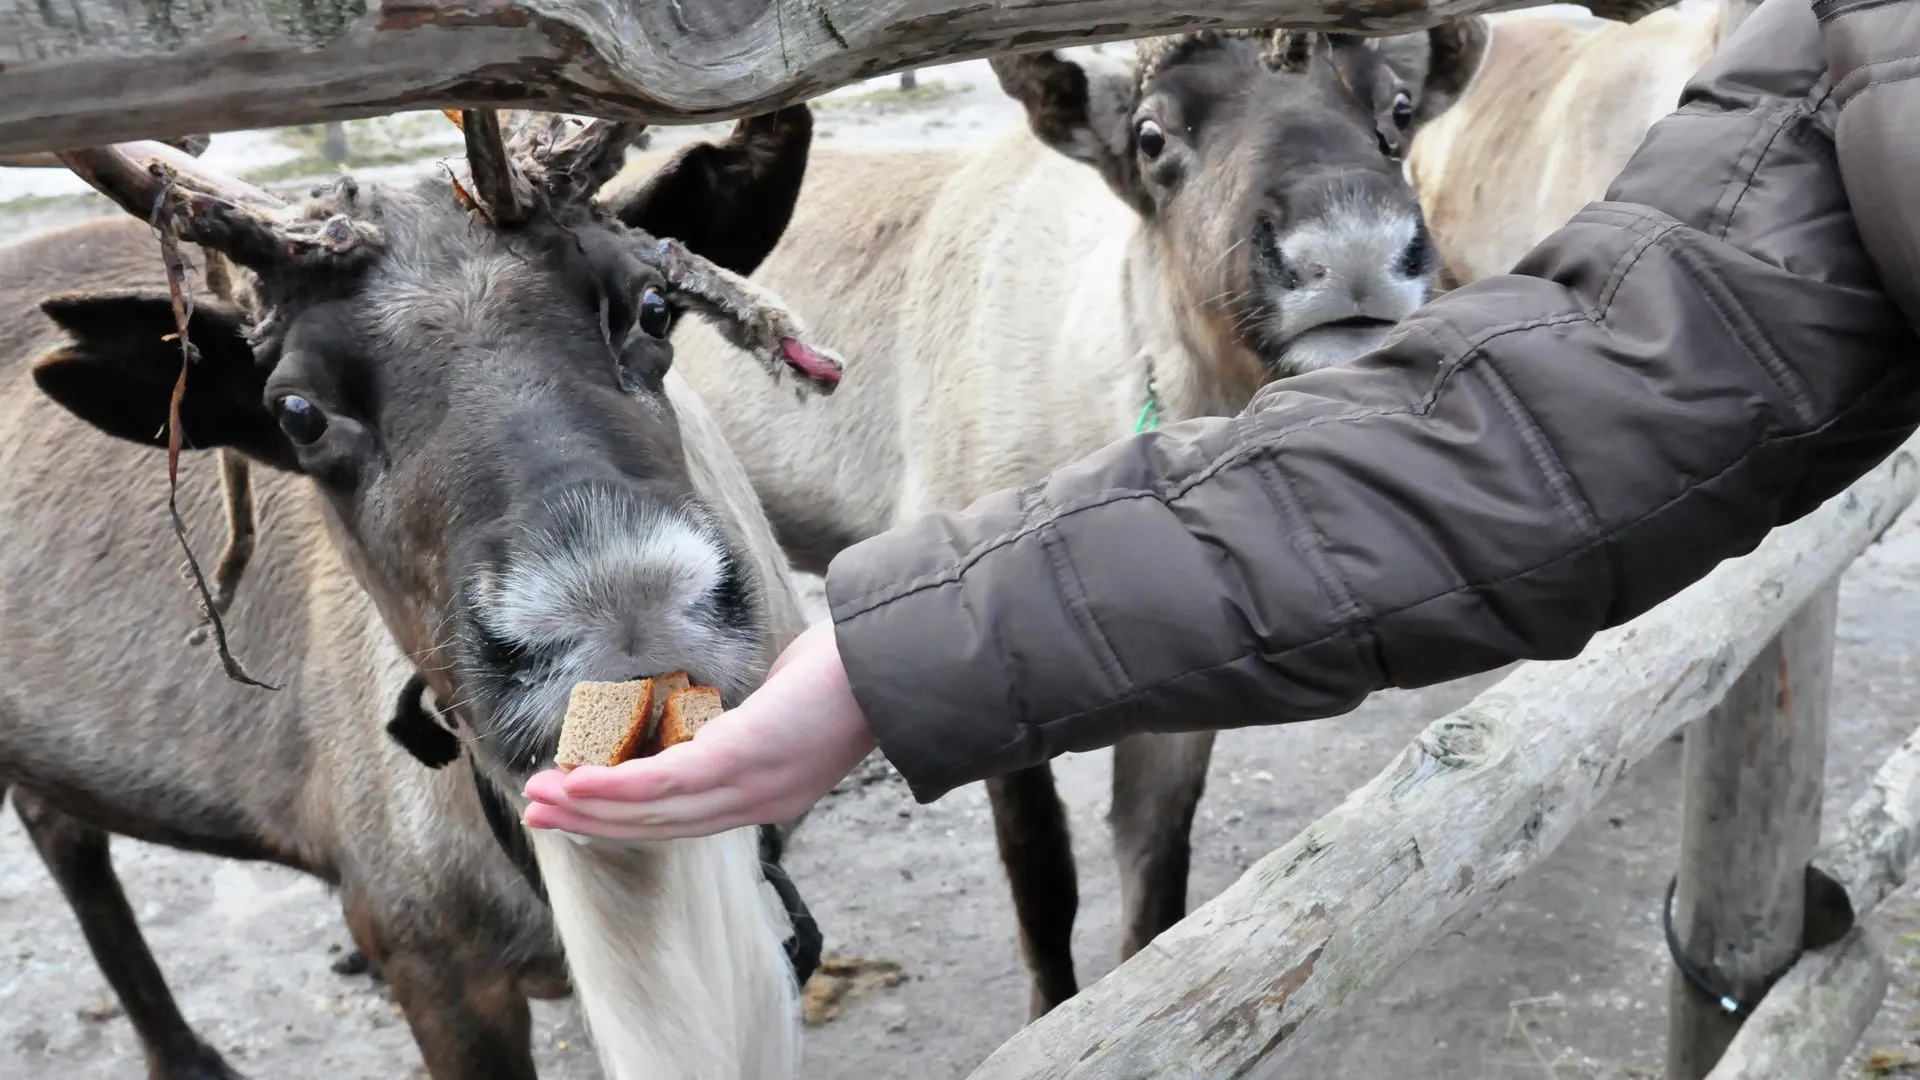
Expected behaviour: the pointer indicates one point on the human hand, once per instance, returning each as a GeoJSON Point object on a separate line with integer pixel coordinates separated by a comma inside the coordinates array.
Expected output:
{"type": "Point", "coordinates": [762, 763]}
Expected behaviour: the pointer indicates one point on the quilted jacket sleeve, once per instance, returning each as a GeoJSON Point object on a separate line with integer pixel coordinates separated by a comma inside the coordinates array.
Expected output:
{"type": "Point", "coordinates": [1705, 355]}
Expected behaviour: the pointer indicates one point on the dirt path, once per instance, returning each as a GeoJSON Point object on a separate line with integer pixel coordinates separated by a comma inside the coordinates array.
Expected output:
{"type": "Point", "coordinates": [1565, 980]}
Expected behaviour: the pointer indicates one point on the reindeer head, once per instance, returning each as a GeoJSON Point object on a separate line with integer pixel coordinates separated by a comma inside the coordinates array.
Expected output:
{"type": "Point", "coordinates": [472, 374]}
{"type": "Point", "coordinates": [1266, 166]}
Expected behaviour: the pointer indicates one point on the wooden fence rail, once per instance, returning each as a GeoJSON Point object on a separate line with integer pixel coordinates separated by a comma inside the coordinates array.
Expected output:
{"type": "Point", "coordinates": [1480, 797]}
{"type": "Point", "coordinates": [86, 72]}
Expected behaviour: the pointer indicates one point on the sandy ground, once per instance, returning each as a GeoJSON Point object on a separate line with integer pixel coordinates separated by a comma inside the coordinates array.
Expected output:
{"type": "Point", "coordinates": [1564, 980]}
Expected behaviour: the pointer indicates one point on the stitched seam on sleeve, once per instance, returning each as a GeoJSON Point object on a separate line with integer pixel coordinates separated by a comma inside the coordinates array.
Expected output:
{"type": "Point", "coordinates": [1559, 481]}
{"type": "Point", "coordinates": [1319, 562]}
{"type": "Point", "coordinates": [1736, 316]}
{"type": "Point", "coordinates": [1772, 125]}
{"type": "Point", "coordinates": [1746, 331]}
{"type": "Point", "coordinates": [1845, 94]}
{"type": "Point", "coordinates": [1073, 597]}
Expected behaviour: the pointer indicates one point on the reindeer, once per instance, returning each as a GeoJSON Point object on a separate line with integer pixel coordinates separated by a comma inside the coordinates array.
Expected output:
{"type": "Point", "coordinates": [477, 465]}
{"type": "Point", "coordinates": [1558, 110]}
{"type": "Point", "coordinates": [1162, 239]}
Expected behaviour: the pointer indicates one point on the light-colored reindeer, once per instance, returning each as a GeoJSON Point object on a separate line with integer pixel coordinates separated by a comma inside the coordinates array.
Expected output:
{"type": "Point", "coordinates": [1166, 237]}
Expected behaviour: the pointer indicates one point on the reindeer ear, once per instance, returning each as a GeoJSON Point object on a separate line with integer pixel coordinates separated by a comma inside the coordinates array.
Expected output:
{"type": "Point", "coordinates": [1456, 52]}
{"type": "Point", "coordinates": [118, 373]}
{"type": "Point", "coordinates": [729, 202]}
{"type": "Point", "coordinates": [1438, 64]}
{"type": "Point", "coordinates": [1084, 111]}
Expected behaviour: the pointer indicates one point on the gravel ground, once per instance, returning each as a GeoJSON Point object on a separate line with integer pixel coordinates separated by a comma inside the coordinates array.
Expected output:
{"type": "Point", "coordinates": [1564, 980]}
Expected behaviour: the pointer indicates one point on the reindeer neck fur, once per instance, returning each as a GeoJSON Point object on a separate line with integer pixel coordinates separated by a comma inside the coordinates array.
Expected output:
{"type": "Point", "coordinates": [1198, 367]}
{"type": "Point", "coordinates": [1117, 312]}
{"type": "Point", "coordinates": [675, 955]}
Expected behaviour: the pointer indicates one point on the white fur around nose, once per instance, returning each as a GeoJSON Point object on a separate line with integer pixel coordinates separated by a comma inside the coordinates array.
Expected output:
{"type": "Point", "coordinates": [1360, 247]}
{"type": "Point", "coordinates": [619, 563]}
{"type": "Point", "coordinates": [613, 588]}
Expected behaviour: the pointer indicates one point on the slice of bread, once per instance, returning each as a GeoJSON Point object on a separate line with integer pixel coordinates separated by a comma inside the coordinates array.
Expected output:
{"type": "Point", "coordinates": [686, 710]}
{"type": "Point", "coordinates": [609, 722]}
{"type": "Point", "coordinates": [606, 722]}
{"type": "Point", "coordinates": [664, 687]}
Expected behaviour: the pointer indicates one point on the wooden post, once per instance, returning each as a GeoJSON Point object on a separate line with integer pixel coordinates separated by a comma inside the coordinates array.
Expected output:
{"type": "Point", "coordinates": [1754, 770]}
{"type": "Point", "coordinates": [333, 142]}
{"type": "Point", "coordinates": [1810, 1020]}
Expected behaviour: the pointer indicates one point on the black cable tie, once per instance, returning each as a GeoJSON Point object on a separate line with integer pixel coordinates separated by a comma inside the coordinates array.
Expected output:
{"type": "Point", "coordinates": [1729, 1004]}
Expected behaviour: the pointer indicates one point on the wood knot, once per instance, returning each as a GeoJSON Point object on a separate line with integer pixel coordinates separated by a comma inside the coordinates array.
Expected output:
{"type": "Point", "coordinates": [1459, 741]}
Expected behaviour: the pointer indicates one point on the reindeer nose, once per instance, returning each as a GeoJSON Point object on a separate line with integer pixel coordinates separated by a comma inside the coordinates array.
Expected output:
{"type": "Point", "coordinates": [1313, 272]}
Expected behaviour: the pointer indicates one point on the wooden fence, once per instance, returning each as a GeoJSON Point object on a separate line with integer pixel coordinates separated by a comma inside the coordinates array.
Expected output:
{"type": "Point", "coordinates": [1742, 662]}
{"type": "Point", "coordinates": [1742, 659]}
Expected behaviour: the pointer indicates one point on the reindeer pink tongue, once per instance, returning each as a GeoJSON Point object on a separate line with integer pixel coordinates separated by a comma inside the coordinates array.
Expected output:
{"type": "Point", "coordinates": [809, 362]}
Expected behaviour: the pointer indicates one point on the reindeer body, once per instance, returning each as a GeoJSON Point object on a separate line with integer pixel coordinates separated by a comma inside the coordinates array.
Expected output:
{"type": "Point", "coordinates": [1016, 306]}
{"type": "Point", "coordinates": [988, 369]}
{"type": "Point", "coordinates": [1559, 111]}
{"type": "Point", "coordinates": [111, 723]}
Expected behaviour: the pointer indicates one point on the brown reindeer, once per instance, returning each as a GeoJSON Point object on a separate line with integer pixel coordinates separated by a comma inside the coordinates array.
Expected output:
{"type": "Point", "coordinates": [476, 463]}
{"type": "Point", "coordinates": [1161, 240]}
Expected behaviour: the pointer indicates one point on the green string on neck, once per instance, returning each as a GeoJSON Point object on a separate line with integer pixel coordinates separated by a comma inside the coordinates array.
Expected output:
{"type": "Point", "coordinates": [1150, 412]}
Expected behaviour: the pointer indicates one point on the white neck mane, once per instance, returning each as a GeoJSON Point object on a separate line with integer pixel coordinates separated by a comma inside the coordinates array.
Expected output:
{"type": "Point", "coordinates": [676, 954]}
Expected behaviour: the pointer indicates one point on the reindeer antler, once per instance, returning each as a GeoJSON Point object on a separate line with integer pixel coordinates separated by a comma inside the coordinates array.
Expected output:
{"type": "Point", "coordinates": [746, 315]}
{"type": "Point", "coordinates": [497, 181]}
{"type": "Point", "coordinates": [1292, 50]}
{"type": "Point", "coordinates": [546, 159]}
{"type": "Point", "coordinates": [1282, 50]}
{"type": "Point", "coordinates": [155, 182]}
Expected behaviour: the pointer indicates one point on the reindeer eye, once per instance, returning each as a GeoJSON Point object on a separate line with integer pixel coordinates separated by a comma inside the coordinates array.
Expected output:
{"type": "Point", "coordinates": [303, 422]}
{"type": "Point", "coordinates": [1403, 109]}
{"type": "Point", "coordinates": [1151, 138]}
{"type": "Point", "coordinates": [655, 315]}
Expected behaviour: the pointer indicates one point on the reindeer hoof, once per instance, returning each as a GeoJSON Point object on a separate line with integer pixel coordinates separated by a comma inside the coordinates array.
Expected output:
{"type": "Point", "coordinates": [202, 1062]}
{"type": "Point", "coordinates": [352, 963]}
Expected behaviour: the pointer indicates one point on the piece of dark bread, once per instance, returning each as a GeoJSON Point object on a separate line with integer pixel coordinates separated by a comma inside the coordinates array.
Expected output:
{"type": "Point", "coordinates": [609, 722]}
{"type": "Point", "coordinates": [686, 710]}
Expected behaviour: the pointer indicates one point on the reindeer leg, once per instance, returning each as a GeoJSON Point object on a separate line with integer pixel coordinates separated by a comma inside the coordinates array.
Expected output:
{"type": "Point", "coordinates": [76, 854]}
{"type": "Point", "coordinates": [469, 1025]}
{"type": "Point", "coordinates": [1037, 850]}
{"type": "Point", "coordinates": [1157, 783]}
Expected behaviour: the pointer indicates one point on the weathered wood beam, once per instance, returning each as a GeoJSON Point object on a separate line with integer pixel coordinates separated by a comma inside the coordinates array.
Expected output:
{"type": "Point", "coordinates": [1813, 1017]}
{"type": "Point", "coordinates": [1873, 852]}
{"type": "Point", "coordinates": [1754, 770]}
{"type": "Point", "coordinates": [88, 72]}
{"type": "Point", "coordinates": [1481, 797]}
{"type": "Point", "coordinates": [47, 159]}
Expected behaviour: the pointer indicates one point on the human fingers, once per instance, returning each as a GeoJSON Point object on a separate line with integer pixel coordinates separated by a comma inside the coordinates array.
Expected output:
{"type": "Point", "coordinates": [542, 816]}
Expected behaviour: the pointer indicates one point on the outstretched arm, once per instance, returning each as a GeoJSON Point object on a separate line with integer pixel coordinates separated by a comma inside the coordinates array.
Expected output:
{"type": "Point", "coordinates": [1707, 354]}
